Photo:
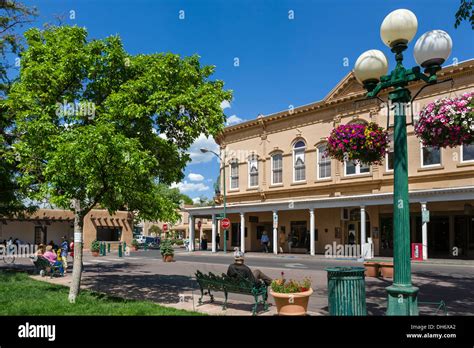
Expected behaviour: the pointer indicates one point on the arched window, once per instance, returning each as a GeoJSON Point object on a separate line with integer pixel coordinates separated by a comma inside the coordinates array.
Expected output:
{"type": "Point", "coordinates": [277, 168]}
{"type": "Point", "coordinates": [234, 174]}
{"type": "Point", "coordinates": [324, 162]}
{"type": "Point", "coordinates": [253, 171]}
{"type": "Point", "coordinates": [299, 172]}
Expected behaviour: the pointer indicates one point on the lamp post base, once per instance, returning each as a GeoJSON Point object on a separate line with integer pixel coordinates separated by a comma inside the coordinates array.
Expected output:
{"type": "Point", "coordinates": [402, 300]}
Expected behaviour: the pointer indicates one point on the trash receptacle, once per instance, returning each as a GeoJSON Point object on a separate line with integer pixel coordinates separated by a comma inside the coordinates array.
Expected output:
{"type": "Point", "coordinates": [346, 291]}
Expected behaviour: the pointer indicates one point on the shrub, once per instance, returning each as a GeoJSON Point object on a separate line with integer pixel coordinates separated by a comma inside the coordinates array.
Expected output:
{"type": "Point", "coordinates": [166, 248]}
{"type": "Point", "coordinates": [284, 286]}
{"type": "Point", "coordinates": [95, 246]}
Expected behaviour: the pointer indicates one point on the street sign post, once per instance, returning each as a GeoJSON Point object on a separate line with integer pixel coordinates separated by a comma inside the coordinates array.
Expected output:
{"type": "Point", "coordinates": [225, 223]}
{"type": "Point", "coordinates": [425, 216]}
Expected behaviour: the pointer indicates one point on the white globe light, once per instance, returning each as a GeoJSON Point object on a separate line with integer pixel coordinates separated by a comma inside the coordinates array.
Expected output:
{"type": "Point", "coordinates": [370, 66]}
{"type": "Point", "coordinates": [399, 26]}
{"type": "Point", "coordinates": [433, 48]}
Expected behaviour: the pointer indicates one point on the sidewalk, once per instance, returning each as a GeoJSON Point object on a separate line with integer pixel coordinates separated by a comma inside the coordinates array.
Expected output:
{"type": "Point", "coordinates": [321, 257]}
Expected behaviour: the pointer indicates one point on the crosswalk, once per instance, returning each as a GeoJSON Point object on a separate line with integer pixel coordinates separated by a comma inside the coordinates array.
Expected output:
{"type": "Point", "coordinates": [112, 259]}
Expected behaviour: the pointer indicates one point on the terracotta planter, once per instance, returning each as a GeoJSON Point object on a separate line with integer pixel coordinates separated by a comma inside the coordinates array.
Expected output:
{"type": "Point", "coordinates": [168, 258]}
{"type": "Point", "coordinates": [95, 253]}
{"type": "Point", "coordinates": [372, 269]}
{"type": "Point", "coordinates": [134, 248]}
{"type": "Point", "coordinates": [386, 269]}
{"type": "Point", "coordinates": [292, 304]}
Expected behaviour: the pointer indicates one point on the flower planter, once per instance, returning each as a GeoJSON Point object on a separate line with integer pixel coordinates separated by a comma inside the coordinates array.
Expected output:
{"type": "Point", "coordinates": [134, 248]}
{"type": "Point", "coordinates": [292, 304]}
{"type": "Point", "coordinates": [372, 269]}
{"type": "Point", "coordinates": [386, 269]}
{"type": "Point", "coordinates": [365, 143]}
{"type": "Point", "coordinates": [95, 253]}
{"type": "Point", "coordinates": [447, 122]}
{"type": "Point", "coordinates": [168, 258]}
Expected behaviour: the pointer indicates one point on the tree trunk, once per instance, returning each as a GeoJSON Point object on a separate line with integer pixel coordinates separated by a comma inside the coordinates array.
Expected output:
{"type": "Point", "coordinates": [78, 244]}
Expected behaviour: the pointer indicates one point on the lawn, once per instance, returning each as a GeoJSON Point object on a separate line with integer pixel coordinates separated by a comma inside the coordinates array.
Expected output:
{"type": "Point", "coordinates": [21, 295]}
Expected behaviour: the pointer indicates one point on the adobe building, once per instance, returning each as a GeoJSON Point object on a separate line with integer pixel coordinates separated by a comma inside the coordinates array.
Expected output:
{"type": "Point", "coordinates": [279, 180]}
{"type": "Point", "coordinates": [52, 224]}
{"type": "Point", "coordinates": [181, 227]}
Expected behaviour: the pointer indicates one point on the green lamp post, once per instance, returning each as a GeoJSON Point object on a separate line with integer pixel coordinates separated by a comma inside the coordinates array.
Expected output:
{"type": "Point", "coordinates": [203, 150]}
{"type": "Point", "coordinates": [430, 51]}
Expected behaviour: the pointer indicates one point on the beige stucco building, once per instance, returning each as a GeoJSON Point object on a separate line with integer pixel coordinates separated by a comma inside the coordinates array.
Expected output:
{"type": "Point", "coordinates": [47, 225]}
{"type": "Point", "coordinates": [279, 181]}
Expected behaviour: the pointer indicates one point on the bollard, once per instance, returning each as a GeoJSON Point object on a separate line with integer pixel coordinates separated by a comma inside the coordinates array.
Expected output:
{"type": "Point", "coordinates": [120, 250]}
{"type": "Point", "coordinates": [108, 248]}
{"type": "Point", "coordinates": [124, 246]}
{"type": "Point", "coordinates": [145, 246]}
{"type": "Point", "coordinates": [105, 250]}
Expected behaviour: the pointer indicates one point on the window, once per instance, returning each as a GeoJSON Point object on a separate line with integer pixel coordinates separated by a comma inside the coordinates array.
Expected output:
{"type": "Point", "coordinates": [324, 163]}
{"type": "Point", "coordinates": [467, 153]}
{"type": "Point", "coordinates": [277, 169]}
{"type": "Point", "coordinates": [430, 156]}
{"type": "Point", "coordinates": [234, 175]}
{"type": "Point", "coordinates": [355, 168]}
{"type": "Point", "coordinates": [299, 173]}
{"type": "Point", "coordinates": [389, 156]}
{"type": "Point", "coordinates": [253, 171]}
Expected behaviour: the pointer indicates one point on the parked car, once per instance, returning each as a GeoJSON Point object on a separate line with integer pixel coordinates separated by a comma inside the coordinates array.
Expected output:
{"type": "Point", "coordinates": [141, 239]}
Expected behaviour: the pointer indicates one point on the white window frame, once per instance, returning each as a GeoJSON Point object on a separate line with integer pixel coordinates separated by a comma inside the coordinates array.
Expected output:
{"type": "Point", "coordinates": [357, 170]}
{"type": "Point", "coordinates": [461, 150]}
{"type": "Point", "coordinates": [303, 149]}
{"type": "Point", "coordinates": [318, 163]}
{"type": "Point", "coordinates": [272, 169]}
{"type": "Point", "coordinates": [423, 165]}
{"type": "Point", "coordinates": [251, 159]}
{"type": "Point", "coordinates": [231, 177]}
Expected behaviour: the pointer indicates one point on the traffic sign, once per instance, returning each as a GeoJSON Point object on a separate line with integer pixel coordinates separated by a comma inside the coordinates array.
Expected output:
{"type": "Point", "coordinates": [165, 227]}
{"type": "Point", "coordinates": [425, 216]}
{"type": "Point", "coordinates": [225, 223]}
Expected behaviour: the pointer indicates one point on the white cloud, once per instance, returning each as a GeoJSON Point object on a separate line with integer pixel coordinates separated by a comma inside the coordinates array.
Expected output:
{"type": "Point", "coordinates": [234, 119]}
{"type": "Point", "coordinates": [225, 104]}
{"type": "Point", "coordinates": [185, 187]}
{"type": "Point", "coordinates": [195, 177]}
{"type": "Point", "coordinates": [196, 200]}
{"type": "Point", "coordinates": [202, 142]}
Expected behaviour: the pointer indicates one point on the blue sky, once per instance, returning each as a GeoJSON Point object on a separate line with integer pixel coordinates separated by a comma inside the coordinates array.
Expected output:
{"type": "Point", "coordinates": [282, 61]}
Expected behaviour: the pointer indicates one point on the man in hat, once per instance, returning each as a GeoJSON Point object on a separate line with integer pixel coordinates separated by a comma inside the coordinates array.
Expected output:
{"type": "Point", "coordinates": [238, 269]}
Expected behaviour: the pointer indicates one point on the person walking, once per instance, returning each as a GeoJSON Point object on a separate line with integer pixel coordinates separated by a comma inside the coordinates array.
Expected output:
{"type": "Point", "coordinates": [64, 252]}
{"type": "Point", "coordinates": [265, 240]}
{"type": "Point", "coordinates": [218, 241]}
{"type": "Point", "coordinates": [282, 240]}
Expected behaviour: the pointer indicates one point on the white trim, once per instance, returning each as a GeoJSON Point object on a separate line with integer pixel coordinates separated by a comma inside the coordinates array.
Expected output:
{"type": "Point", "coordinates": [317, 163]}
{"type": "Point", "coordinates": [271, 168]}
{"type": "Point", "coordinates": [230, 175]}
{"type": "Point", "coordinates": [294, 162]}
{"type": "Point", "coordinates": [415, 196]}
{"type": "Point", "coordinates": [461, 154]}
{"type": "Point", "coordinates": [248, 171]}
{"type": "Point", "coordinates": [357, 170]}
{"type": "Point", "coordinates": [430, 165]}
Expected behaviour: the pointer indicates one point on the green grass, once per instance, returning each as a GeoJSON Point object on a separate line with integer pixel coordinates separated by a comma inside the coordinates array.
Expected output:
{"type": "Point", "coordinates": [21, 295]}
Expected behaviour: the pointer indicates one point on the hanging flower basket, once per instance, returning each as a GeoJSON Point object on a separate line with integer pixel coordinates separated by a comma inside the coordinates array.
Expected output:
{"type": "Point", "coordinates": [365, 143]}
{"type": "Point", "coordinates": [447, 122]}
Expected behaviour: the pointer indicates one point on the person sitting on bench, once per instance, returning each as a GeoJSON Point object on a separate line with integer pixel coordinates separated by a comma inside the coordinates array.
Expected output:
{"type": "Point", "coordinates": [239, 269]}
{"type": "Point", "coordinates": [52, 258]}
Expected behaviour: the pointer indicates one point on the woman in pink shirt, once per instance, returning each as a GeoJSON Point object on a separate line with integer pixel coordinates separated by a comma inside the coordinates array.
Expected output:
{"type": "Point", "coordinates": [50, 255]}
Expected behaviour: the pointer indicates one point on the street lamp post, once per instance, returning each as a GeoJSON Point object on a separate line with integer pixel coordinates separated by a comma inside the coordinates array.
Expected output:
{"type": "Point", "coordinates": [203, 150]}
{"type": "Point", "coordinates": [431, 50]}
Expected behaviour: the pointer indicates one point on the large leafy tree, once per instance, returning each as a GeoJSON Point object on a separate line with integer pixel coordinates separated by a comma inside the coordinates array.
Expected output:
{"type": "Point", "coordinates": [124, 141]}
{"type": "Point", "coordinates": [13, 15]}
{"type": "Point", "coordinates": [465, 12]}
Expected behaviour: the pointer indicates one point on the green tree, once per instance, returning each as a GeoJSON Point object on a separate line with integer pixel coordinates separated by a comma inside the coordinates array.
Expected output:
{"type": "Point", "coordinates": [155, 230]}
{"type": "Point", "coordinates": [105, 147]}
{"type": "Point", "coordinates": [465, 12]}
{"type": "Point", "coordinates": [13, 15]}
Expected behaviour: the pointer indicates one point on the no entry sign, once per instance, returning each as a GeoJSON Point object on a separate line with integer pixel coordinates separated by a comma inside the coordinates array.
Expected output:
{"type": "Point", "coordinates": [165, 227]}
{"type": "Point", "coordinates": [225, 223]}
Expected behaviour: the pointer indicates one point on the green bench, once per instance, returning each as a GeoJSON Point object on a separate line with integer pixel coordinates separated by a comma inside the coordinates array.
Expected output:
{"type": "Point", "coordinates": [237, 285]}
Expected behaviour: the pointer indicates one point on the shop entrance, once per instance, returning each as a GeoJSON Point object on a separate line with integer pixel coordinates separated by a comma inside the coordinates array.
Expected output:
{"type": "Point", "coordinates": [464, 235]}
{"type": "Point", "coordinates": [352, 232]}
